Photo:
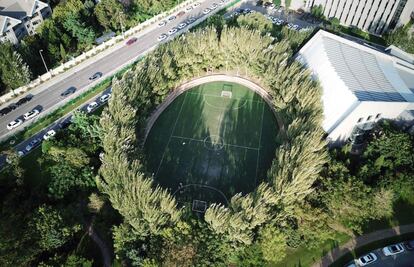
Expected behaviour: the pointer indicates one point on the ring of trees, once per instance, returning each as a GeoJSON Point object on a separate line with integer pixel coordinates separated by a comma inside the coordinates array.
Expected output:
{"type": "Point", "coordinates": [148, 209]}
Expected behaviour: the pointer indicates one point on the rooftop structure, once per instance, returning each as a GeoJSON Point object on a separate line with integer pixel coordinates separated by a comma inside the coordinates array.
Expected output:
{"type": "Point", "coordinates": [361, 83]}
{"type": "Point", "coordinates": [19, 18]}
{"type": "Point", "coordinates": [374, 16]}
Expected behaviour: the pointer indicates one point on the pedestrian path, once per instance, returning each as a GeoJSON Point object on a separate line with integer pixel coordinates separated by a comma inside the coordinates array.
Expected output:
{"type": "Point", "coordinates": [363, 240]}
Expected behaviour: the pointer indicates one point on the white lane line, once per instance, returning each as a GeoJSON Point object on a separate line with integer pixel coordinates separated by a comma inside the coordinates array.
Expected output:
{"type": "Point", "coordinates": [203, 141]}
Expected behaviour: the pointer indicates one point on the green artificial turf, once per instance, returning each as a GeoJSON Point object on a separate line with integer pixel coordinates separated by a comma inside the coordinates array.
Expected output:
{"type": "Point", "coordinates": [213, 146]}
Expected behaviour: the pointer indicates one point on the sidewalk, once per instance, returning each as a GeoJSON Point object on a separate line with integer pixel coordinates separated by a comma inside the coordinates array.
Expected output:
{"type": "Point", "coordinates": [361, 241]}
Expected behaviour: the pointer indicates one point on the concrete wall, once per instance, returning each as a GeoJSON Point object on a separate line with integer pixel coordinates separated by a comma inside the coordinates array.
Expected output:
{"type": "Point", "coordinates": [360, 115]}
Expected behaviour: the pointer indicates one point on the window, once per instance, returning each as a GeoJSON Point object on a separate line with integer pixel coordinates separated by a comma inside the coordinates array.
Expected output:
{"type": "Point", "coordinates": [369, 118]}
{"type": "Point", "coordinates": [360, 119]}
{"type": "Point", "coordinates": [378, 116]}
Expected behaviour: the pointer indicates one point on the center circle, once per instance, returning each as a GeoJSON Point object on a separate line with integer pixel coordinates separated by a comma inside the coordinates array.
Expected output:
{"type": "Point", "coordinates": [213, 142]}
{"type": "Point", "coordinates": [227, 149]}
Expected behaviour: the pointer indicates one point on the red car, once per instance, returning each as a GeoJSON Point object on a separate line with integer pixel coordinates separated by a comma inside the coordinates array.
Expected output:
{"type": "Point", "coordinates": [131, 41]}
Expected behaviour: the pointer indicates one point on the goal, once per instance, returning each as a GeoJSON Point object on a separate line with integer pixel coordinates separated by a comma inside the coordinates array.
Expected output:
{"type": "Point", "coordinates": [227, 94]}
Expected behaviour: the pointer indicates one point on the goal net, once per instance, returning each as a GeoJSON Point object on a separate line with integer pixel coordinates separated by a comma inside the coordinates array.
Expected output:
{"type": "Point", "coordinates": [199, 206]}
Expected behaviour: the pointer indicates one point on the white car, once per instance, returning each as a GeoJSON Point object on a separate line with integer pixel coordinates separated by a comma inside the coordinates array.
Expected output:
{"type": "Point", "coordinates": [20, 153]}
{"type": "Point", "coordinates": [221, 2]}
{"type": "Point", "coordinates": [196, 4]}
{"type": "Point", "coordinates": [171, 18]}
{"type": "Point", "coordinates": [295, 27]}
{"type": "Point", "coordinates": [162, 23]}
{"type": "Point", "coordinates": [31, 114]}
{"type": "Point", "coordinates": [162, 37]}
{"type": "Point", "coordinates": [280, 10]}
{"type": "Point", "coordinates": [206, 11]}
{"type": "Point", "coordinates": [49, 134]}
{"type": "Point", "coordinates": [213, 6]}
{"type": "Point", "coordinates": [352, 264]}
{"type": "Point", "coordinates": [172, 31]}
{"type": "Point", "coordinates": [104, 98]}
{"type": "Point", "coordinates": [367, 259]}
{"type": "Point", "coordinates": [92, 106]}
{"type": "Point", "coordinates": [272, 6]}
{"type": "Point", "coordinates": [33, 144]}
{"type": "Point", "coordinates": [14, 124]}
{"type": "Point", "coordinates": [182, 25]}
{"type": "Point", "coordinates": [393, 249]}
{"type": "Point", "coordinates": [188, 9]}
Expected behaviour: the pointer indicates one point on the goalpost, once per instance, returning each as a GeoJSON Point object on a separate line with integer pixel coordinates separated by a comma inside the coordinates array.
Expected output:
{"type": "Point", "coordinates": [227, 91]}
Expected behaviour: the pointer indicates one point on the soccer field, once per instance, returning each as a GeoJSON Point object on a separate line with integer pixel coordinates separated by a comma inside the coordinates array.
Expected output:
{"type": "Point", "coordinates": [215, 139]}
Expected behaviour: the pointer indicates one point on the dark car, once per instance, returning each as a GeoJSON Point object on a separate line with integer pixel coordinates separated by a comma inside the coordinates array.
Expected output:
{"type": "Point", "coordinates": [24, 100]}
{"type": "Point", "coordinates": [409, 245]}
{"type": "Point", "coordinates": [68, 91]}
{"type": "Point", "coordinates": [5, 111]}
{"type": "Point", "coordinates": [97, 75]}
{"type": "Point", "coordinates": [181, 13]}
{"type": "Point", "coordinates": [13, 106]}
{"type": "Point", "coordinates": [131, 41]}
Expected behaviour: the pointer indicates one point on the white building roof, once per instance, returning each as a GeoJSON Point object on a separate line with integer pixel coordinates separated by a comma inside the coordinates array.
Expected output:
{"type": "Point", "coordinates": [370, 74]}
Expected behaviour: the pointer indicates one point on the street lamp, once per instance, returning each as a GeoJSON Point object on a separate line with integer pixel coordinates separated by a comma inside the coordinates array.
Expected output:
{"type": "Point", "coordinates": [122, 25]}
{"type": "Point", "coordinates": [44, 63]}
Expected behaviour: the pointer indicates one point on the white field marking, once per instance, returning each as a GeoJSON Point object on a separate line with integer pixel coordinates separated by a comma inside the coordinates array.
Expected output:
{"type": "Point", "coordinates": [169, 139]}
{"type": "Point", "coordinates": [236, 98]}
{"type": "Point", "coordinates": [260, 140]}
{"type": "Point", "coordinates": [202, 141]}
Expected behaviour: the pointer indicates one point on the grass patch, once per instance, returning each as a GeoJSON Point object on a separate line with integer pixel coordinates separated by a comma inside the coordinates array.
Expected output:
{"type": "Point", "coordinates": [205, 138]}
{"type": "Point", "coordinates": [304, 256]}
{"type": "Point", "coordinates": [372, 246]}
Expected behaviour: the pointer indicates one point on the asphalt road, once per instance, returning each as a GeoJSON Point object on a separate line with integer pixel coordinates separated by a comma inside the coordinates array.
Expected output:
{"type": "Point", "coordinates": [48, 98]}
{"type": "Point", "coordinates": [404, 259]}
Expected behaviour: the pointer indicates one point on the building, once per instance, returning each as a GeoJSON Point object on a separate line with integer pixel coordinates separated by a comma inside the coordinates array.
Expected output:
{"type": "Point", "coordinates": [361, 84]}
{"type": "Point", "coordinates": [374, 16]}
{"type": "Point", "coordinates": [19, 18]}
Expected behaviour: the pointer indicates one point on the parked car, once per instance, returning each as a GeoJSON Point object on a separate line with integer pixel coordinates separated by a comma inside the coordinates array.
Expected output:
{"type": "Point", "coordinates": [131, 41]}
{"type": "Point", "coordinates": [14, 124]}
{"type": "Point", "coordinates": [393, 249]}
{"type": "Point", "coordinates": [367, 259]}
{"type": "Point", "coordinates": [181, 25]}
{"type": "Point", "coordinates": [172, 31]}
{"type": "Point", "coordinates": [188, 9]}
{"type": "Point", "coordinates": [181, 13]}
{"type": "Point", "coordinates": [206, 11]}
{"type": "Point", "coordinates": [35, 142]}
{"type": "Point", "coordinates": [213, 6]}
{"type": "Point", "coordinates": [31, 114]}
{"type": "Point", "coordinates": [97, 75]}
{"type": "Point", "coordinates": [190, 20]}
{"type": "Point", "coordinates": [409, 245]}
{"type": "Point", "coordinates": [162, 23]}
{"type": "Point", "coordinates": [162, 37]}
{"type": "Point", "coordinates": [24, 100]}
{"type": "Point", "coordinates": [13, 106]}
{"type": "Point", "coordinates": [49, 134]}
{"type": "Point", "coordinates": [68, 91]}
{"type": "Point", "coordinates": [5, 111]}
{"type": "Point", "coordinates": [196, 4]}
{"type": "Point", "coordinates": [92, 106]}
{"type": "Point", "coordinates": [104, 98]}
{"type": "Point", "coordinates": [171, 18]}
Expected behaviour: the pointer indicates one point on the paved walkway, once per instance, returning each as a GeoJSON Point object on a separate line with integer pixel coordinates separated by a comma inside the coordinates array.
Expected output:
{"type": "Point", "coordinates": [363, 240]}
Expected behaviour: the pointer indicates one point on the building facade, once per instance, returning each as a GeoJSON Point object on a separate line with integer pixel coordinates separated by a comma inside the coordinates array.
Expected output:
{"type": "Point", "coordinates": [361, 84]}
{"type": "Point", "coordinates": [19, 18]}
{"type": "Point", "coordinates": [374, 16]}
